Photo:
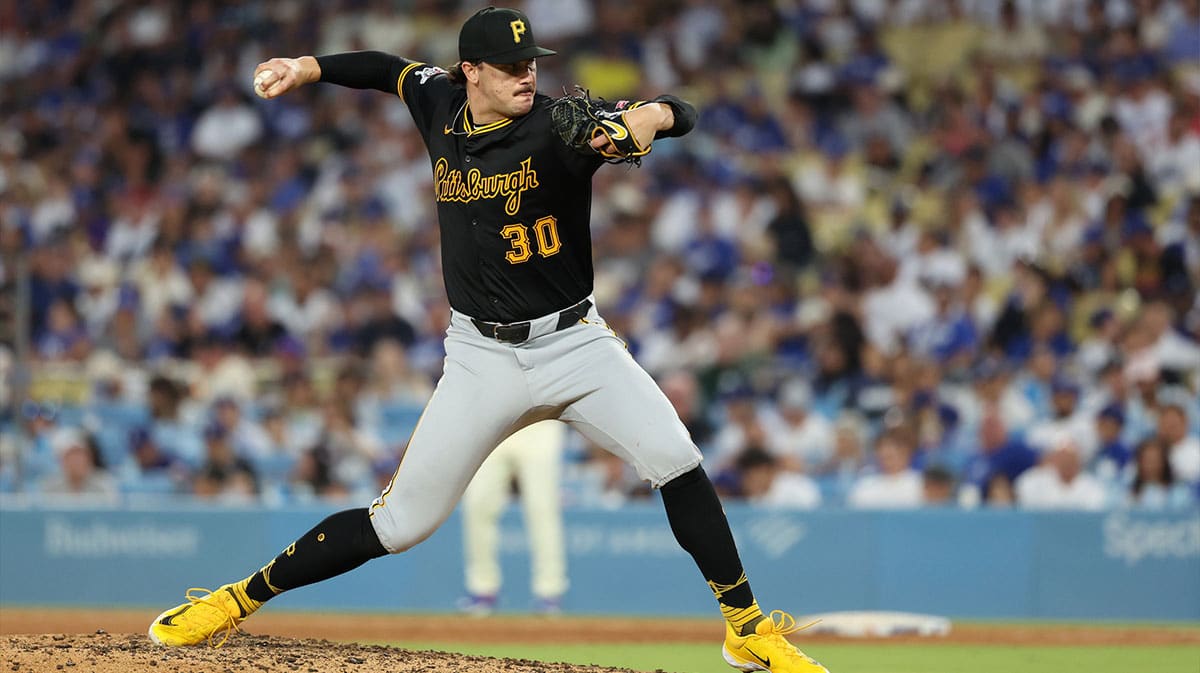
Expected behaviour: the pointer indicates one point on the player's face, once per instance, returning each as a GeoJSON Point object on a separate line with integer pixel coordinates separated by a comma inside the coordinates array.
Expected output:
{"type": "Point", "coordinates": [509, 87]}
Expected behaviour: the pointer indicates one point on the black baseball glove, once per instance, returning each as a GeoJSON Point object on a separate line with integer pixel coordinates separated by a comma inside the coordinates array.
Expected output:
{"type": "Point", "coordinates": [579, 119]}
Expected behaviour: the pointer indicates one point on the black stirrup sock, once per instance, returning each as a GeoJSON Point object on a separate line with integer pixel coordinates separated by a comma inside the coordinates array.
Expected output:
{"type": "Point", "coordinates": [700, 526]}
{"type": "Point", "coordinates": [339, 544]}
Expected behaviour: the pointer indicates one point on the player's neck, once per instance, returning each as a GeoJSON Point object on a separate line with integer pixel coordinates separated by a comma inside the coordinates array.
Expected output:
{"type": "Point", "coordinates": [481, 113]}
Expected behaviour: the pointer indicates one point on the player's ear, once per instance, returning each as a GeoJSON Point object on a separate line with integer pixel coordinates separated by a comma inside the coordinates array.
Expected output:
{"type": "Point", "coordinates": [471, 71]}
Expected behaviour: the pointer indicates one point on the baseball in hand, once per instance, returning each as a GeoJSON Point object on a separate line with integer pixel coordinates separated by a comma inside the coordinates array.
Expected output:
{"type": "Point", "coordinates": [261, 81]}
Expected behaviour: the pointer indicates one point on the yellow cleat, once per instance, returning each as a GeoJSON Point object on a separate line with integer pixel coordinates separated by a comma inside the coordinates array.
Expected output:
{"type": "Point", "coordinates": [202, 617]}
{"type": "Point", "coordinates": [768, 649]}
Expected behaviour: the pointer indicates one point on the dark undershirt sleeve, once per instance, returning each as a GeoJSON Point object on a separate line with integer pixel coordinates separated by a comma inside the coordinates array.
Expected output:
{"type": "Point", "coordinates": [362, 70]}
{"type": "Point", "coordinates": [685, 116]}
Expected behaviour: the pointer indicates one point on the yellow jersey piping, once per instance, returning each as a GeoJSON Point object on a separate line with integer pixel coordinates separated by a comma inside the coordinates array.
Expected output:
{"type": "Point", "coordinates": [400, 80]}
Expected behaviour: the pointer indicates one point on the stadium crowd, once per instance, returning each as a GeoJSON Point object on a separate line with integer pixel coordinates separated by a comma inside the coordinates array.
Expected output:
{"type": "Point", "coordinates": [917, 252]}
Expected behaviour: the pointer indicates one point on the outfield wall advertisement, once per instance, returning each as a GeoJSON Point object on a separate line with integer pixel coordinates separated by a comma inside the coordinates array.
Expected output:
{"type": "Point", "coordinates": [1120, 565]}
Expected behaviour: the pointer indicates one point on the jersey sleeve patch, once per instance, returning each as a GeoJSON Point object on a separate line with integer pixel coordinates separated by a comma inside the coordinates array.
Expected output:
{"type": "Point", "coordinates": [422, 71]}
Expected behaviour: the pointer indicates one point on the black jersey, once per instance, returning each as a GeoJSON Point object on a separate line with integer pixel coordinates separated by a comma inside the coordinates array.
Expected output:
{"type": "Point", "coordinates": [513, 201]}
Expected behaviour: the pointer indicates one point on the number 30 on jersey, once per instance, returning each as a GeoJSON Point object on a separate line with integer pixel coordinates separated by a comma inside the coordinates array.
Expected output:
{"type": "Point", "coordinates": [545, 231]}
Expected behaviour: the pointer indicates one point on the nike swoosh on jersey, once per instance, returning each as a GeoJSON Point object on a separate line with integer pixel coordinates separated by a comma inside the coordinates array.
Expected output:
{"type": "Point", "coordinates": [447, 130]}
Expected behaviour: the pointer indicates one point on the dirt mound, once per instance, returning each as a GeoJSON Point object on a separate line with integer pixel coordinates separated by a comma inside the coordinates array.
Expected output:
{"type": "Point", "coordinates": [102, 652]}
{"type": "Point", "coordinates": [447, 629]}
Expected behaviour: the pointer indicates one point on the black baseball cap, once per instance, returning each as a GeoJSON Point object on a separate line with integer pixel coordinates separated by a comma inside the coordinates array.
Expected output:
{"type": "Point", "coordinates": [498, 35]}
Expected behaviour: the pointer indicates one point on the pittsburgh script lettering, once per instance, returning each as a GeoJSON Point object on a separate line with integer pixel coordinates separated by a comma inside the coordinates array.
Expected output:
{"type": "Point", "coordinates": [449, 185]}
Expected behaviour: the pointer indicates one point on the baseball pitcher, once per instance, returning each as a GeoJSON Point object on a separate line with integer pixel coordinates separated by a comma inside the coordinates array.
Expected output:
{"type": "Point", "coordinates": [512, 176]}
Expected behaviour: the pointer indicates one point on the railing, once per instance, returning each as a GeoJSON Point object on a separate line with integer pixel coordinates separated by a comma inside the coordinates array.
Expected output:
{"type": "Point", "coordinates": [1120, 565]}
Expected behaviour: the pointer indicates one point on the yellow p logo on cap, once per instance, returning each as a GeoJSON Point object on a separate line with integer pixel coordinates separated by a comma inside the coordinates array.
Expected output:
{"type": "Point", "coordinates": [518, 29]}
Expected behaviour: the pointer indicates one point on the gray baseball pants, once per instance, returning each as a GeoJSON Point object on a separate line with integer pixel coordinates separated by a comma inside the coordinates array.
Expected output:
{"type": "Point", "coordinates": [582, 375]}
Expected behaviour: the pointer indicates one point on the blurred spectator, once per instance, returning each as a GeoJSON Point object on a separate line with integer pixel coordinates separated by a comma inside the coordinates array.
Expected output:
{"type": "Point", "coordinates": [799, 438]}
{"type": "Point", "coordinates": [949, 336]}
{"type": "Point", "coordinates": [1183, 42]}
{"type": "Point", "coordinates": [1142, 108]}
{"type": "Point", "coordinates": [998, 454]}
{"type": "Point", "coordinates": [225, 476]}
{"type": "Point", "coordinates": [1154, 485]}
{"type": "Point", "coordinates": [789, 228]}
{"type": "Point", "coordinates": [279, 443]}
{"type": "Point", "coordinates": [743, 426]}
{"type": "Point", "coordinates": [559, 20]}
{"type": "Point", "coordinates": [39, 427]}
{"type": "Point", "coordinates": [98, 301]}
{"type": "Point", "coordinates": [216, 299]}
{"type": "Point", "coordinates": [683, 391]}
{"type": "Point", "coordinates": [895, 485]}
{"type": "Point", "coordinates": [306, 309]}
{"type": "Point", "coordinates": [64, 337]}
{"type": "Point", "coordinates": [1168, 348]}
{"type": "Point", "coordinates": [1176, 164]}
{"type": "Point", "coordinates": [312, 477]}
{"type": "Point", "coordinates": [258, 332]}
{"type": "Point", "coordinates": [1183, 447]}
{"type": "Point", "coordinates": [227, 127]}
{"type": "Point", "coordinates": [350, 447]}
{"type": "Point", "coordinates": [1066, 420]}
{"type": "Point", "coordinates": [247, 437]}
{"type": "Point", "coordinates": [302, 413]}
{"type": "Point", "coordinates": [763, 481]}
{"type": "Point", "coordinates": [220, 370]}
{"type": "Point", "coordinates": [937, 487]}
{"type": "Point", "coordinates": [392, 380]}
{"type": "Point", "coordinates": [1059, 482]}
{"type": "Point", "coordinates": [80, 474]}
{"type": "Point", "coordinates": [999, 491]}
{"type": "Point", "coordinates": [609, 482]}
{"type": "Point", "coordinates": [893, 306]}
{"type": "Point", "coordinates": [374, 320]}
{"type": "Point", "coordinates": [874, 114]}
{"type": "Point", "coordinates": [849, 455]}
{"type": "Point", "coordinates": [1112, 455]}
{"type": "Point", "coordinates": [161, 284]}
{"type": "Point", "coordinates": [168, 429]}
{"type": "Point", "coordinates": [1099, 347]}
{"type": "Point", "coordinates": [148, 459]}
{"type": "Point", "coordinates": [935, 422]}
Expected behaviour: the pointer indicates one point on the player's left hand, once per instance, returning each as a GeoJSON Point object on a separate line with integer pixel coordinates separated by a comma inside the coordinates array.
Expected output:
{"type": "Point", "coordinates": [643, 123]}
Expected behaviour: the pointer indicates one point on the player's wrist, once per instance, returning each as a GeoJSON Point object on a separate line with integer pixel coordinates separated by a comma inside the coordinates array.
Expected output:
{"type": "Point", "coordinates": [309, 69]}
{"type": "Point", "coordinates": [666, 119]}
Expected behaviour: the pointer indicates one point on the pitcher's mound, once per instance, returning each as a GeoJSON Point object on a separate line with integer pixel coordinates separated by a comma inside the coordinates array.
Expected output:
{"type": "Point", "coordinates": [108, 653]}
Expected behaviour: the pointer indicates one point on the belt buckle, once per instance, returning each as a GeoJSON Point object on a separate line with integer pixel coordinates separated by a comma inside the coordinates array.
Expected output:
{"type": "Point", "coordinates": [510, 329]}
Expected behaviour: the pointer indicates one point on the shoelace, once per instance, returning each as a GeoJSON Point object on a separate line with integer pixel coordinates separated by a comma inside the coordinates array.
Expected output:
{"type": "Point", "coordinates": [783, 624]}
{"type": "Point", "coordinates": [228, 627]}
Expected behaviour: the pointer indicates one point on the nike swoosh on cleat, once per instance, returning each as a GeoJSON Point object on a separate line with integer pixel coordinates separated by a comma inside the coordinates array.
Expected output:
{"type": "Point", "coordinates": [766, 662]}
{"type": "Point", "coordinates": [166, 621]}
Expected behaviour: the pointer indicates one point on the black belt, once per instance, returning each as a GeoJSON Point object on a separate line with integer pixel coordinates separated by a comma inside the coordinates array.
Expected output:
{"type": "Point", "coordinates": [517, 332]}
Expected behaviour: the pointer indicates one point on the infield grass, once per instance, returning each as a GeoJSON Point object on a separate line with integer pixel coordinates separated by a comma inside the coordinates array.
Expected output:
{"type": "Point", "coordinates": [862, 658]}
